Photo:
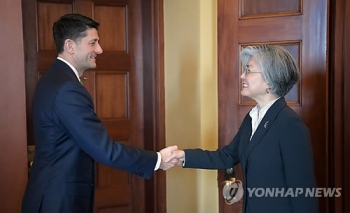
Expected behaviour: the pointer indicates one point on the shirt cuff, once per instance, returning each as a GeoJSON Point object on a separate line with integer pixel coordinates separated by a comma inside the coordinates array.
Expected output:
{"type": "Point", "coordinates": [158, 161]}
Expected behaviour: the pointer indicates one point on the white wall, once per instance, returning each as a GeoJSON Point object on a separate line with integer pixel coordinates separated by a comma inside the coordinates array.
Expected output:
{"type": "Point", "coordinates": [191, 99]}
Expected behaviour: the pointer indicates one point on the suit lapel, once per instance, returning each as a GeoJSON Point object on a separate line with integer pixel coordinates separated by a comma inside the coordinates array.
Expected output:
{"type": "Point", "coordinates": [247, 131]}
{"type": "Point", "coordinates": [265, 125]}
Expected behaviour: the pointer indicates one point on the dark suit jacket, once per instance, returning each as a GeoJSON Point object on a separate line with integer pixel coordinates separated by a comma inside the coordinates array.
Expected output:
{"type": "Point", "coordinates": [69, 138]}
{"type": "Point", "coordinates": [278, 156]}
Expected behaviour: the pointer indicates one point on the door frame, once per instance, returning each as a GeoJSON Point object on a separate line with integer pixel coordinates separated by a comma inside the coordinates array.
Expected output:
{"type": "Point", "coordinates": [339, 116]}
{"type": "Point", "coordinates": [154, 98]}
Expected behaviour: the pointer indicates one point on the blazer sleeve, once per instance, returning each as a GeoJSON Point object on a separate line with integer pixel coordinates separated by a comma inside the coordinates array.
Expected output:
{"type": "Point", "coordinates": [296, 151]}
{"type": "Point", "coordinates": [223, 158]}
{"type": "Point", "coordinates": [75, 112]}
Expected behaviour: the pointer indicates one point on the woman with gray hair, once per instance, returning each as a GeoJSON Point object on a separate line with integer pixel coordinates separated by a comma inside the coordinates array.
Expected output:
{"type": "Point", "coordinates": [273, 144]}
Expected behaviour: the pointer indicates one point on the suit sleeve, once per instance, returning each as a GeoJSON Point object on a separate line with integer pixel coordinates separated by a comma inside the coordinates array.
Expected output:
{"type": "Point", "coordinates": [75, 113]}
{"type": "Point", "coordinates": [222, 158]}
{"type": "Point", "coordinates": [296, 151]}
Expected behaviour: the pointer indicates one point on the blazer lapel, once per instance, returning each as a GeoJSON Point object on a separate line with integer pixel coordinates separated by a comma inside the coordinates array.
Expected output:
{"type": "Point", "coordinates": [265, 125]}
{"type": "Point", "coordinates": [245, 138]}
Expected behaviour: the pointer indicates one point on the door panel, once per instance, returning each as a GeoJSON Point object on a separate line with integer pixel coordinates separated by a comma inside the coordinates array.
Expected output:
{"type": "Point", "coordinates": [258, 7]}
{"type": "Point", "coordinates": [115, 85]}
{"type": "Point", "coordinates": [301, 27]}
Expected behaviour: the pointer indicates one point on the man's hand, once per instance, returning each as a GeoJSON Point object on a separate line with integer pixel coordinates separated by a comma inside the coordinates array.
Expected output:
{"type": "Point", "coordinates": [168, 157]}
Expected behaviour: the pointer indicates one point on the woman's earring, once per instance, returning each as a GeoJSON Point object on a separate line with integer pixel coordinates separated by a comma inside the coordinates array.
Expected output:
{"type": "Point", "coordinates": [267, 90]}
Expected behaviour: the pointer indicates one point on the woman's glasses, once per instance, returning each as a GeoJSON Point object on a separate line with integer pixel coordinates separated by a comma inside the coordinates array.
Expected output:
{"type": "Point", "coordinates": [247, 71]}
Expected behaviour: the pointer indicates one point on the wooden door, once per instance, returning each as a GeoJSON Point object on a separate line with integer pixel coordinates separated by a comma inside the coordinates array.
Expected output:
{"type": "Point", "coordinates": [116, 86]}
{"type": "Point", "coordinates": [301, 27]}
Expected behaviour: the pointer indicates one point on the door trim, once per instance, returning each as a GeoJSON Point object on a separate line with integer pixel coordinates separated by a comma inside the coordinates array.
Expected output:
{"type": "Point", "coordinates": [154, 98]}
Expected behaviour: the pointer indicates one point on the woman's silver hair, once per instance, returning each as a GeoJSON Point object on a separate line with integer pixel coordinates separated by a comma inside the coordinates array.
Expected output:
{"type": "Point", "coordinates": [277, 65]}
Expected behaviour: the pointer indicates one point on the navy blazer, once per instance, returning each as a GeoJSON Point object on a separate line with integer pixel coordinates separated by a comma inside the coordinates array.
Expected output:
{"type": "Point", "coordinates": [69, 138]}
{"type": "Point", "coordinates": [279, 156]}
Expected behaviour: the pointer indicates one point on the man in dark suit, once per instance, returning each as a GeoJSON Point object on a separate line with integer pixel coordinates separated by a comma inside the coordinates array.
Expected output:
{"type": "Point", "coordinates": [69, 137]}
{"type": "Point", "coordinates": [273, 144]}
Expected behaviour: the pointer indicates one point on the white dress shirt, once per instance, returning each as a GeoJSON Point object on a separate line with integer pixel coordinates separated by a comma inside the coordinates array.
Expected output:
{"type": "Point", "coordinates": [257, 115]}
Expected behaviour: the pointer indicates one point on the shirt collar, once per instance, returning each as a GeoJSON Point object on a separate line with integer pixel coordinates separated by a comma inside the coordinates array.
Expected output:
{"type": "Point", "coordinates": [73, 68]}
{"type": "Point", "coordinates": [261, 111]}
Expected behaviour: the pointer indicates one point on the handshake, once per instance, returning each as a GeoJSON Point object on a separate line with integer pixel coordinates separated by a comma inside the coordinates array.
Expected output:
{"type": "Point", "coordinates": [171, 155]}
